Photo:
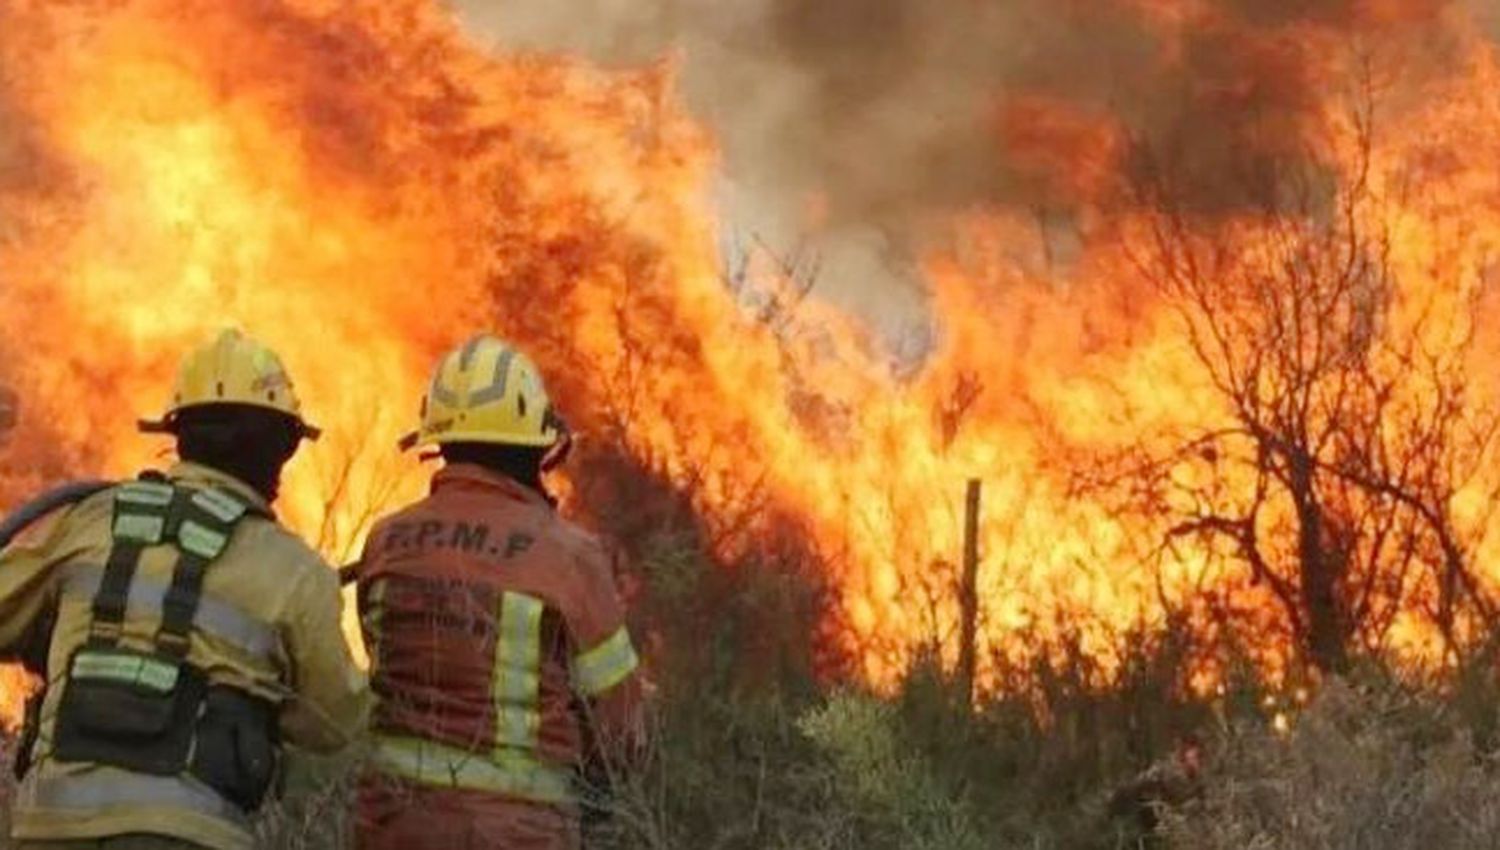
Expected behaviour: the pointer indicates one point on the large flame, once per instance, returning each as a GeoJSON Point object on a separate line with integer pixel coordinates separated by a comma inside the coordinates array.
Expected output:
{"type": "Point", "coordinates": [359, 186]}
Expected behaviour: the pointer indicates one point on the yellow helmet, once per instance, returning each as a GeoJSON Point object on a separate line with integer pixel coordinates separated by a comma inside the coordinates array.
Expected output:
{"type": "Point", "coordinates": [233, 369]}
{"type": "Point", "coordinates": [487, 392]}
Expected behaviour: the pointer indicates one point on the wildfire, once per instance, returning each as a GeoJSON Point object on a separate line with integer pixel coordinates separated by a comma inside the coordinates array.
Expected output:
{"type": "Point", "coordinates": [360, 186]}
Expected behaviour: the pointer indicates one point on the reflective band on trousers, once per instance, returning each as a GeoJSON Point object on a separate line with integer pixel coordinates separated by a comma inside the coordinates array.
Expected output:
{"type": "Point", "coordinates": [606, 665]}
{"type": "Point", "coordinates": [107, 788]}
{"type": "Point", "coordinates": [517, 676]}
{"type": "Point", "coordinates": [513, 775]}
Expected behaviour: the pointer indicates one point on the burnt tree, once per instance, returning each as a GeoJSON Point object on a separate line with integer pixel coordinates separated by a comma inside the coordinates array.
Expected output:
{"type": "Point", "coordinates": [1336, 430]}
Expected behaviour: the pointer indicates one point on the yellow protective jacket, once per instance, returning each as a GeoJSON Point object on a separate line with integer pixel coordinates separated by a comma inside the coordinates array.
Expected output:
{"type": "Point", "coordinates": [268, 623]}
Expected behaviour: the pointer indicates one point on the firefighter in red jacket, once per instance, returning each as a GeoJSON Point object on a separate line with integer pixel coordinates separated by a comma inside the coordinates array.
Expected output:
{"type": "Point", "coordinates": [499, 654]}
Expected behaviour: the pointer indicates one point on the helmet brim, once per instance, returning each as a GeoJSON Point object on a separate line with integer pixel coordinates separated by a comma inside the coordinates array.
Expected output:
{"type": "Point", "coordinates": [416, 440]}
{"type": "Point", "coordinates": [168, 424]}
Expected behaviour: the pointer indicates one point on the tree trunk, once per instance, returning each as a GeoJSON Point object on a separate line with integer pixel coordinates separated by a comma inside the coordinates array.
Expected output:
{"type": "Point", "coordinates": [1322, 563]}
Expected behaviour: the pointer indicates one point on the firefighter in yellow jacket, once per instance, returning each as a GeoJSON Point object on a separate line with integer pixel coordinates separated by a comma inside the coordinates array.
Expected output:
{"type": "Point", "coordinates": [183, 635]}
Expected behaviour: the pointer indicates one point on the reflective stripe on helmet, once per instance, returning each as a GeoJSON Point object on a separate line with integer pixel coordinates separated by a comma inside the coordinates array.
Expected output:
{"type": "Point", "coordinates": [214, 616]}
{"type": "Point", "coordinates": [509, 773]}
{"type": "Point", "coordinates": [517, 675]}
{"type": "Point", "coordinates": [495, 390]}
{"type": "Point", "coordinates": [486, 391]}
{"type": "Point", "coordinates": [606, 665]}
{"type": "Point", "coordinates": [107, 788]}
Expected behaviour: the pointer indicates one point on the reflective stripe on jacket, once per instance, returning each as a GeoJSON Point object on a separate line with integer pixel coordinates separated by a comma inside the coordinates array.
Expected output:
{"type": "Point", "coordinates": [490, 621]}
{"type": "Point", "coordinates": [513, 775]}
{"type": "Point", "coordinates": [268, 623]}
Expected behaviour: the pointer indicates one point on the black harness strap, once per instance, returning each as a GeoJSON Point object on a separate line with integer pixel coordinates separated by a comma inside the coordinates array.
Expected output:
{"type": "Point", "coordinates": [155, 712]}
{"type": "Point", "coordinates": [142, 513]}
{"type": "Point", "coordinates": [208, 520]}
{"type": "Point", "coordinates": [173, 638]}
{"type": "Point", "coordinates": [114, 592]}
{"type": "Point", "coordinates": [151, 512]}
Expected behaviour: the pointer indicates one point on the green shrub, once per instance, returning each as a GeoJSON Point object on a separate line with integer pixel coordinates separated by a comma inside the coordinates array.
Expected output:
{"type": "Point", "coordinates": [887, 792]}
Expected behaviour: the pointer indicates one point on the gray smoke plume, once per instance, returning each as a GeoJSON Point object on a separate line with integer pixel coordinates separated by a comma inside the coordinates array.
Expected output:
{"type": "Point", "coordinates": [861, 127]}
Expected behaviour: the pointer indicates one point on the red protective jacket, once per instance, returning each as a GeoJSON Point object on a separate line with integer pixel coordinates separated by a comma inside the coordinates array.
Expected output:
{"type": "Point", "coordinates": [501, 664]}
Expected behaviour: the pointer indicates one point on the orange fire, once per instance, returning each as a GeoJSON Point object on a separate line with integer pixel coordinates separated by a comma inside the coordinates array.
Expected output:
{"type": "Point", "coordinates": [360, 186]}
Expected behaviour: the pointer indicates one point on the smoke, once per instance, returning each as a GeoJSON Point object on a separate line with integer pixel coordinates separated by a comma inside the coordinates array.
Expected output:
{"type": "Point", "coordinates": [29, 454]}
{"type": "Point", "coordinates": [860, 128]}
{"type": "Point", "coordinates": [812, 107]}
{"type": "Point", "coordinates": [1488, 15]}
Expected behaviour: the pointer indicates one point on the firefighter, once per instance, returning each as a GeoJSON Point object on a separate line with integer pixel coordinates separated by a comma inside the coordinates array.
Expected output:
{"type": "Point", "coordinates": [181, 633]}
{"type": "Point", "coordinates": [500, 660]}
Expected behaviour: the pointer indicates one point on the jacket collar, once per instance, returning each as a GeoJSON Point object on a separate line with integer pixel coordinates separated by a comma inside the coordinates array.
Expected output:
{"type": "Point", "coordinates": [198, 475]}
{"type": "Point", "coordinates": [468, 476]}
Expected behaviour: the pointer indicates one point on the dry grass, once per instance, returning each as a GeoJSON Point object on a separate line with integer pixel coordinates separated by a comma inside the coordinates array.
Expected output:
{"type": "Point", "coordinates": [314, 813]}
{"type": "Point", "coordinates": [1366, 767]}
{"type": "Point", "coordinates": [755, 752]}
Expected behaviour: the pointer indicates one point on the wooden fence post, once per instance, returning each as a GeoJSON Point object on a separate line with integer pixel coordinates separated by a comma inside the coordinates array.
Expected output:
{"type": "Point", "coordinates": [969, 594]}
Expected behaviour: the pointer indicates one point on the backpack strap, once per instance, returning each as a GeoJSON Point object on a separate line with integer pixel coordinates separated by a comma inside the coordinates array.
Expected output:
{"type": "Point", "coordinates": [151, 512]}
{"type": "Point", "coordinates": [208, 520]}
{"type": "Point", "coordinates": [142, 511]}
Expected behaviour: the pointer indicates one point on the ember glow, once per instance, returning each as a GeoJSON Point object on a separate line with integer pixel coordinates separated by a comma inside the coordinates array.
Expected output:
{"type": "Point", "coordinates": [360, 186]}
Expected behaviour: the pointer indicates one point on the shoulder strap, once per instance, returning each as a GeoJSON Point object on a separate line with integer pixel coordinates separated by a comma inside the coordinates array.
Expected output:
{"type": "Point", "coordinates": [208, 521]}
{"type": "Point", "coordinates": [152, 512]}
{"type": "Point", "coordinates": [141, 512]}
